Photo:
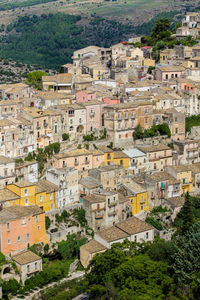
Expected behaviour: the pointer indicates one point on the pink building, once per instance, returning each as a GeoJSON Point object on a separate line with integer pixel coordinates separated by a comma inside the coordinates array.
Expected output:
{"type": "Point", "coordinates": [93, 114]}
{"type": "Point", "coordinates": [85, 96]}
{"type": "Point", "coordinates": [111, 100]}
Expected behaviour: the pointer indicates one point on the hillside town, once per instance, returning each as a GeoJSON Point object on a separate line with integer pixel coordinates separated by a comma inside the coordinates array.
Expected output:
{"type": "Point", "coordinates": [109, 138]}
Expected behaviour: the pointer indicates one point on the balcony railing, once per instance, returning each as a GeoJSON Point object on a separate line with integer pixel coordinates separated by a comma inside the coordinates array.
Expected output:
{"type": "Point", "coordinates": [112, 204]}
{"type": "Point", "coordinates": [76, 163]}
{"type": "Point", "coordinates": [87, 162]}
{"type": "Point", "coordinates": [112, 213]}
{"type": "Point", "coordinates": [99, 217]}
{"type": "Point", "coordinates": [92, 114]}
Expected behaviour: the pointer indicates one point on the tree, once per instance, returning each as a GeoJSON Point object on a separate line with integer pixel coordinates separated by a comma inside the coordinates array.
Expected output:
{"type": "Point", "coordinates": [47, 222]}
{"type": "Point", "coordinates": [185, 217]}
{"type": "Point", "coordinates": [186, 259]}
{"type": "Point", "coordinates": [34, 79]}
{"type": "Point", "coordinates": [65, 136]}
{"type": "Point", "coordinates": [10, 287]}
{"type": "Point", "coordinates": [138, 132]}
{"type": "Point", "coordinates": [161, 26]}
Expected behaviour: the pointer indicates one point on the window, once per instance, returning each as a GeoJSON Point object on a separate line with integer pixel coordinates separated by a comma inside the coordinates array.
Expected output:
{"type": "Point", "coordinates": [36, 266]}
{"type": "Point", "coordinates": [51, 196]}
{"type": "Point", "coordinates": [121, 162]}
{"type": "Point", "coordinates": [146, 121]}
{"type": "Point", "coordinates": [41, 198]}
{"type": "Point", "coordinates": [119, 125]}
{"type": "Point", "coordinates": [56, 129]}
{"type": "Point", "coordinates": [146, 110]}
{"type": "Point", "coordinates": [108, 156]}
{"type": "Point", "coordinates": [19, 238]}
{"type": "Point", "coordinates": [166, 76]}
{"type": "Point", "coordinates": [26, 202]}
{"type": "Point", "coordinates": [176, 75]}
{"type": "Point", "coordinates": [108, 201]}
{"type": "Point", "coordinates": [131, 200]}
{"type": "Point", "coordinates": [9, 241]}
{"type": "Point", "coordinates": [176, 130]}
{"type": "Point", "coordinates": [27, 236]}
{"type": "Point", "coordinates": [133, 124]}
{"type": "Point", "coordinates": [26, 192]}
{"type": "Point", "coordinates": [8, 226]}
{"type": "Point", "coordinates": [154, 166]}
{"type": "Point", "coordinates": [51, 205]}
{"type": "Point", "coordinates": [119, 116]}
{"type": "Point", "coordinates": [28, 268]}
{"type": "Point", "coordinates": [142, 207]}
{"type": "Point", "coordinates": [126, 125]}
{"type": "Point", "coordinates": [135, 238]}
{"type": "Point", "coordinates": [80, 120]}
{"type": "Point", "coordinates": [23, 221]}
{"type": "Point", "coordinates": [176, 119]}
{"type": "Point", "coordinates": [172, 76]}
{"type": "Point", "coordinates": [147, 235]}
{"type": "Point", "coordinates": [36, 219]}
{"type": "Point", "coordinates": [38, 227]}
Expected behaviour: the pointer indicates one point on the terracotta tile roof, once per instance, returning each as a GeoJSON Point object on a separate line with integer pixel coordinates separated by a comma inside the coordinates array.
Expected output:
{"type": "Point", "coordinates": [133, 226]}
{"type": "Point", "coordinates": [153, 148]}
{"type": "Point", "coordinates": [169, 68]}
{"type": "Point", "coordinates": [17, 212]}
{"type": "Point", "coordinates": [73, 153]}
{"type": "Point", "coordinates": [59, 78]}
{"type": "Point", "coordinates": [112, 234]}
{"type": "Point", "coordinates": [45, 186]}
{"type": "Point", "coordinates": [23, 184]}
{"type": "Point", "coordinates": [6, 195]}
{"type": "Point", "coordinates": [5, 160]}
{"type": "Point", "coordinates": [93, 247]}
{"type": "Point", "coordinates": [120, 154]}
{"type": "Point", "coordinates": [25, 257]}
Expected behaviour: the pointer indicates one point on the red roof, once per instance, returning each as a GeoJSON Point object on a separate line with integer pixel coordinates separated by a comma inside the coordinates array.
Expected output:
{"type": "Point", "coordinates": [123, 42]}
{"type": "Point", "coordinates": [146, 47]}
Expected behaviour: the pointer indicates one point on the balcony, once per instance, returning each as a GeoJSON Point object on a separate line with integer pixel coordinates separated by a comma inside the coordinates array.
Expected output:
{"type": "Point", "coordinates": [92, 114]}
{"type": "Point", "coordinates": [112, 204]}
{"type": "Point", "coordinates": [99, 217]}
{"type": "Point", "coordinates": [76, 163]}
{"type": "Point", "coordinates": [112, 213]}
{"type": "Point", "coordinates": [133, 116]}
{"type": "Point", "coordinates": [45, 124]}
{"type": "Point", "coordinates": [98, 209]}
{"type": "Point", "coordinates": [87, 162]}
{"type": "Point", "coordinates": [38, 127]}
{"type": "Point", "coordinates": [126, 117]}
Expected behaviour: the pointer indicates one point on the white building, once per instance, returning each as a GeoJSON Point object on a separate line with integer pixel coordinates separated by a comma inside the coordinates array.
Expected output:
{"type": "Point", "coordinates": [67, 181]}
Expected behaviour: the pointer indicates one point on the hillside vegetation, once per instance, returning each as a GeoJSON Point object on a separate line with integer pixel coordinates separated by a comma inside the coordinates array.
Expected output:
{"type": "Point", "coordinates": [49, 40]}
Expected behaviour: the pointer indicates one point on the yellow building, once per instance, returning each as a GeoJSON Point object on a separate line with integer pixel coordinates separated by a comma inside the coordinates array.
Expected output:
{"type": "Point", "coordinates": [39, 229]}
{"type": "Point", "coordinates": [184, 176]}
{"type": "Point", "coordinates": [115, 157]}
{"type": "Point", "coordinates": [137, 196]}
{"type": "Point", "coordinates": [121, 159]}
{"type": "Point", "coordinates": [148, 62]}
{"type": "Point", "coordinates": [43, 194]}
{"type": "Point", "coordinates": [98, 72]}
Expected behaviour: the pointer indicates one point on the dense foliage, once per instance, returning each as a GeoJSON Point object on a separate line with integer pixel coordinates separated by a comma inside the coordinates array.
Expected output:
{"type": "Point", "coordinates": [155, 130]}
{"type": "Point", "coordinates": [70, 248]}
{"type": "Point", "coordinates": [16, 4]}
{"type": "Point", "coordinates": [34, 79]}
{"type": "Point", "coordinates": [191, 122]}
{"type": "Point", "coordinates": [48, 40]}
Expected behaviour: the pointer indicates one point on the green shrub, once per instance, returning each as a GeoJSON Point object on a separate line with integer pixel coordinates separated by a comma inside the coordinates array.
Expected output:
{"type": "Point", "coordinates": [65, 136]}
{"type": "Point", "coordinates": [153, 222]}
